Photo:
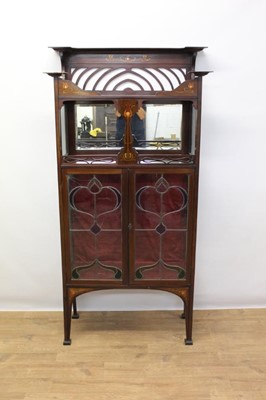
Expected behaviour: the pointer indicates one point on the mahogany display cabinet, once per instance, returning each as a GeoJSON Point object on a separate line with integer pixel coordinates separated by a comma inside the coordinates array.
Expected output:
{"type": "Point", "coordinates": [128, 124]}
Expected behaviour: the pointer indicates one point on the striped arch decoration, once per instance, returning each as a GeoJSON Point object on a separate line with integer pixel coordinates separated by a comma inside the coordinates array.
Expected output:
{"type": "Point", "coordinates": [135, 78]}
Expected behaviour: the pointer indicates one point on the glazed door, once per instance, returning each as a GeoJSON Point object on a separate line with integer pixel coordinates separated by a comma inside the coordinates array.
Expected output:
{"type": "Point", "coordinates": [161, 226]}
{"type": "Point", "coordinates": [95, 225]}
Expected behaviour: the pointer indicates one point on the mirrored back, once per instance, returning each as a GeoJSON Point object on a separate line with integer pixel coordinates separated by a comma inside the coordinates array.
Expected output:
{"type": "Point", "coordinates": [154, 126]}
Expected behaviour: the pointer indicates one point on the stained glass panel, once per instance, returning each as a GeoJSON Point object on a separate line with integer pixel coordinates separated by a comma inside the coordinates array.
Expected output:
{"type": "Point", "coordinates": [161, 226]}
{"type": "Point", "coordinates": [95, 226]}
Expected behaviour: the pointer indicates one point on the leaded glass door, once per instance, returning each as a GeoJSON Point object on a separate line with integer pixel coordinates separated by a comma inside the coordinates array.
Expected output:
{"type": "Point", "coordinates": [161, 226]}
{"type": "Point", "coordinates": [95, 226]}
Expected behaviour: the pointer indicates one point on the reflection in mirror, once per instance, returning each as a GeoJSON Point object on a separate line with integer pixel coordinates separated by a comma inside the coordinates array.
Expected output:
{"type": "Point", "coordinates": [154, 126]}
{"type": "Point", "coordinates": [193, 130]}
{"type": "Point", "coordinates": [63, 131]}
{"type": "Point", "coordinates": [95, 126]}
{"type": "Point", "coordinates": [163, 126]}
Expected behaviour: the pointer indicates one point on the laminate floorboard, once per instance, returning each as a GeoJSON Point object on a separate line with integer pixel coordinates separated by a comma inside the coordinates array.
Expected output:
{"type": "Point", "coordinates": [133, 356]}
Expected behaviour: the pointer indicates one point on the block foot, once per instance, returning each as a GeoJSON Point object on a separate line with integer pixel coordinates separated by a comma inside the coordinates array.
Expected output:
{"type": "Point", "coordinates": [188, 342]}
{"type": "Point", "coordinates": [67, 342]}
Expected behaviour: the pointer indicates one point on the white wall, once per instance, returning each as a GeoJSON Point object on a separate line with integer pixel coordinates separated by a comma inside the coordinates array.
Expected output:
{"type": "Point", "coordinates": [231, 267]}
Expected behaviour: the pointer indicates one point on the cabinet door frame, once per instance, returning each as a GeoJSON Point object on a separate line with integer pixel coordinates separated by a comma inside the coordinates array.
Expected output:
{"type": "Point", "coordinates": [191, 229]}
{"type": "Point", "coordinates": [65, 227]}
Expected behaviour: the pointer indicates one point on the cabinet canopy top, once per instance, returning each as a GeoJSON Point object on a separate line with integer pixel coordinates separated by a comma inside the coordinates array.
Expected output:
{"type": "Point", "coordinates": [183, 58]}
{"type": "Point", "coordinates": [180, 50]}
{"type": "Point", "coordinates": [141, 73]}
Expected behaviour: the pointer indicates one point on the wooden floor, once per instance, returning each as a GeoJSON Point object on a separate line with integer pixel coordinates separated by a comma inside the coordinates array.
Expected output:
{"type": "Point", "coordinates": [133, 355]}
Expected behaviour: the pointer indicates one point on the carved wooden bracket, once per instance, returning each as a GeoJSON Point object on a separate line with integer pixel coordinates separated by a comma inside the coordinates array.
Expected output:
{"type": "Point", "coordinates": [75, 292]}
{"type": "Point", "coordinates": [182, 292]}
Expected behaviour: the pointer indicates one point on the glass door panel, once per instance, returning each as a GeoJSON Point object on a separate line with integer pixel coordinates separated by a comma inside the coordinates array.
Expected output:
{"type": "Point", "coordinates": [161, 226]}
{"type": "Point", "coordinates": [95, 226]}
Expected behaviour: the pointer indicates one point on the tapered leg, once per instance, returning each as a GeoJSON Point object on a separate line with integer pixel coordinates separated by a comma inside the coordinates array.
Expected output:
{"type": "Point", "coordinates": [75, 314]}
{"type": "Point", "coordinates": [186, 294]}
{"type": "Point", "coordinates": [67, 319]}
{"type": "Point", "coordinates": [188, 311]}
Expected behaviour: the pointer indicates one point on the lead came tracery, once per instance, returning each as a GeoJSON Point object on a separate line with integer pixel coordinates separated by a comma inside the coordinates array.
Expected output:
{"type": "Point", "coordinates": [161, 226]}
{"type": "Point", "coordinates": [95, 226]}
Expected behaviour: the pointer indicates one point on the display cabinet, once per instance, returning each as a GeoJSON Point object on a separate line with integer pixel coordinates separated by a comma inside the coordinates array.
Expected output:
{"type": "Point", "coordinates": [128, 142]}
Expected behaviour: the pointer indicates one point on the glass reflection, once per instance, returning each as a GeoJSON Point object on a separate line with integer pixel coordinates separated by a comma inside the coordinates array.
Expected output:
{"type": "Point", "coordinates": [154, 126]}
